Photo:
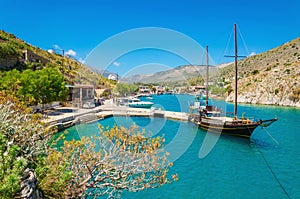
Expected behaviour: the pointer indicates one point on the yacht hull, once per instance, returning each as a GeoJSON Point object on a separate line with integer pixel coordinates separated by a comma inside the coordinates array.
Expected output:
{"type": "Point", "coordinates": [241, 130]}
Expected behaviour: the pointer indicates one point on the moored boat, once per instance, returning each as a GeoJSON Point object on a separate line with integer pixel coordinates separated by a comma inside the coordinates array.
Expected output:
{"type": "Point", "coordinates": [207, 120]}
{"type": "Point", "coordinates": [137, 103]}
{"type": "Point", "coordinates": [242, 127]}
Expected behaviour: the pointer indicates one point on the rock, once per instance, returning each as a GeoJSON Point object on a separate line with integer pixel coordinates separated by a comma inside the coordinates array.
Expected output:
{"type": "Point", "coordinates": [262, 98]}
{"type": "Point", "coordinates": [29, 186]}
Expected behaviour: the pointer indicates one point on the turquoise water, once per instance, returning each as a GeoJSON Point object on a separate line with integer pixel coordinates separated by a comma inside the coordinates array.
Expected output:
{"type": "Point", "coordinates": [262, 167]}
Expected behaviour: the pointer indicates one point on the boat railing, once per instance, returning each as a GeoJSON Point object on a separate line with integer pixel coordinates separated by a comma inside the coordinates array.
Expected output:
{"type": "Point", "coordinates": [266, 123]}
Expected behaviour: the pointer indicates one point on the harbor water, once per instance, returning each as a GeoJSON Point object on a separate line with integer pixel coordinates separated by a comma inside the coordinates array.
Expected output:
{"type": "Point", "coordinates": [265, 166]}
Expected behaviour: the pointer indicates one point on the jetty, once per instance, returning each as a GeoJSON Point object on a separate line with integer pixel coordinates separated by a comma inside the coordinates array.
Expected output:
{"type": "Point", "coordinates": [64, 117]}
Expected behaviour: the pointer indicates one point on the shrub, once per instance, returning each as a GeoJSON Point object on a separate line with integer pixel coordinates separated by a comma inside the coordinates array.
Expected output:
{"type": "Point", "coordinates": [22, 138]}
{"type": "Point", "coordinates": [105, 94]}
{"type": "Point", "coordinates": [254, 72]}
{"type": "Point", "coordinates": [295, 96]}
{"type": "Point", "coordinates": [217, 90]}
{"type": "Point", "coordinates": [128, 159]}
{"type": "Point", "coordinates": [229, 89]}
{"type": "Point", "coordinates": [8, 50]}
{"type": "Point", "coordinates": [268, 68]}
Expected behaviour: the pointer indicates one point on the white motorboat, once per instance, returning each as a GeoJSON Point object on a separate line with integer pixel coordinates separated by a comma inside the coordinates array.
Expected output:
{"type": "Point", "coordinates": [137, 103]}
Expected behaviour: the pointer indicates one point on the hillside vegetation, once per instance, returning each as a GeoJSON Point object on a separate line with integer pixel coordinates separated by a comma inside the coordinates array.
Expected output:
{"type": "Point", "coordinates": [272, 77]}
{"type": "Point", "coordinates": [17, 54]}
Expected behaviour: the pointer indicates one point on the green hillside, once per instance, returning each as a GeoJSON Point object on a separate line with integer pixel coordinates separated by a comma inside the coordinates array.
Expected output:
{"type": "Point", "coordinates": [17, 54]}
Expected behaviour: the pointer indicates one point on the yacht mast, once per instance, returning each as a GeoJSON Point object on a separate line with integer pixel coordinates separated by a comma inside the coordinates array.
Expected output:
{"type": "Point", "coordinates": [236, 70]}
{"type": "Point", "coordinates": [206, 85]}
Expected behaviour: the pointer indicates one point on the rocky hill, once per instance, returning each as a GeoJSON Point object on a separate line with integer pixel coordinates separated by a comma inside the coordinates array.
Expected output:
{"type": "Point", "coordinates": [272, 77]}
{"type": "Point", "coordinates": [15, 53]}
{"type": "Point", "coordinates": [175, 75]}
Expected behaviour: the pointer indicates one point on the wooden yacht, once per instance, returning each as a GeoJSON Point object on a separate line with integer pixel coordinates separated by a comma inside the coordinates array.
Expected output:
{"type": "Point", "coordinates": [210, 119]}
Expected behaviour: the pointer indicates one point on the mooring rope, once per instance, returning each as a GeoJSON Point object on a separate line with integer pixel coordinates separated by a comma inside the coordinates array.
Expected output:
{"type": "Point", "coordinates": [268, 165]}
{"type": "Point", "coordinates": [271, 136]}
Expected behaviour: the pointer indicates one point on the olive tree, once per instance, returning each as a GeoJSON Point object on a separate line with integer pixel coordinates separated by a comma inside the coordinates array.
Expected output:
{"type": "Point", "coordinates": [125, 89]}
{"type": "Point", "coordinates": [44, 86]}
{"type": "Point", "coordinates": [35, 87]}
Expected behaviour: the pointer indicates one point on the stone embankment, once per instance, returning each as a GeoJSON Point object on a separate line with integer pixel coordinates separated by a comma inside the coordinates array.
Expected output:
{"type": "Point", "coordinates": [263, 99]}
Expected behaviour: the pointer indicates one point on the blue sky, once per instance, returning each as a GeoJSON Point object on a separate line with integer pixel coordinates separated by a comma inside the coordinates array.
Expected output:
{"type": "Point", "coordinates": [81, 25]}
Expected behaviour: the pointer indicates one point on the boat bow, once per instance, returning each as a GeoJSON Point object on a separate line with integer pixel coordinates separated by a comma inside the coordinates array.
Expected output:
{"type": "Point", "coordinates": [266, 123]}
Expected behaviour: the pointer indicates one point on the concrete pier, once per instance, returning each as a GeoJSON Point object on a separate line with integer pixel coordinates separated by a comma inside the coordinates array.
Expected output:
{"type": "Point", "coordinates": [66, 117]}
{"type": "Point", "coordinates": [143, 113]}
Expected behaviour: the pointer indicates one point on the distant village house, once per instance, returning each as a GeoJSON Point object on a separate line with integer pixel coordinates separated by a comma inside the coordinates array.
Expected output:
{"type": "Point", "coordinates": [196, 88]}
{"type": "Point", "coordinates": [160, 90]}
{"type": "Point", "coordinates": [144, 90]}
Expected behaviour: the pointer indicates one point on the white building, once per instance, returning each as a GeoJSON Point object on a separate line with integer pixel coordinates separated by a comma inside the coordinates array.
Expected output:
{"type": "Point", "coordinates": [144, 89]}
{"type": "Point", "coordinates": [113, 77]}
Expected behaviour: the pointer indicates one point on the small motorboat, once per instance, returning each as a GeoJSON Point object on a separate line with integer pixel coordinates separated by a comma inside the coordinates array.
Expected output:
{"type": "Point", "coordinates": [137, 103]}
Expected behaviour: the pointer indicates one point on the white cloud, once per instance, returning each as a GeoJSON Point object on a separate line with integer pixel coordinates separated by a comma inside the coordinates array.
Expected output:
{"type": "Point", "coordinates": [81, 60]}
{"type": "Point", "coordinates": [51, 51]}
{"type": "Point", "coordinates": [252, 54]}
{"type": "Point", "coordinates": [116, 63]}
{"type": "Point", "coordinates": [71, 53]}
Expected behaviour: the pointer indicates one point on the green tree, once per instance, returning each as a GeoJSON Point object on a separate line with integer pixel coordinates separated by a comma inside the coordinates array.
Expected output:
{"type": "Point", "coordinates": [218, 90]}
{"type": "Point", "coordinates": [27, 87]}
{"type": "Point", "coordinates": [50, 86]}
{"type": "Point", "coordinates": [10, 81]}
{"type": "Point", "coordinates": [194, 81]}
{"type": "Point", "coordinates": [35, 87]}
{"type": "Point", "coordinates": [125, 89]}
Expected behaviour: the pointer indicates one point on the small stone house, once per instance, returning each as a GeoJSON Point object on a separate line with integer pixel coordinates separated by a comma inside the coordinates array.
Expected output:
{"type": "Point", "coordinates": [82, 96]}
